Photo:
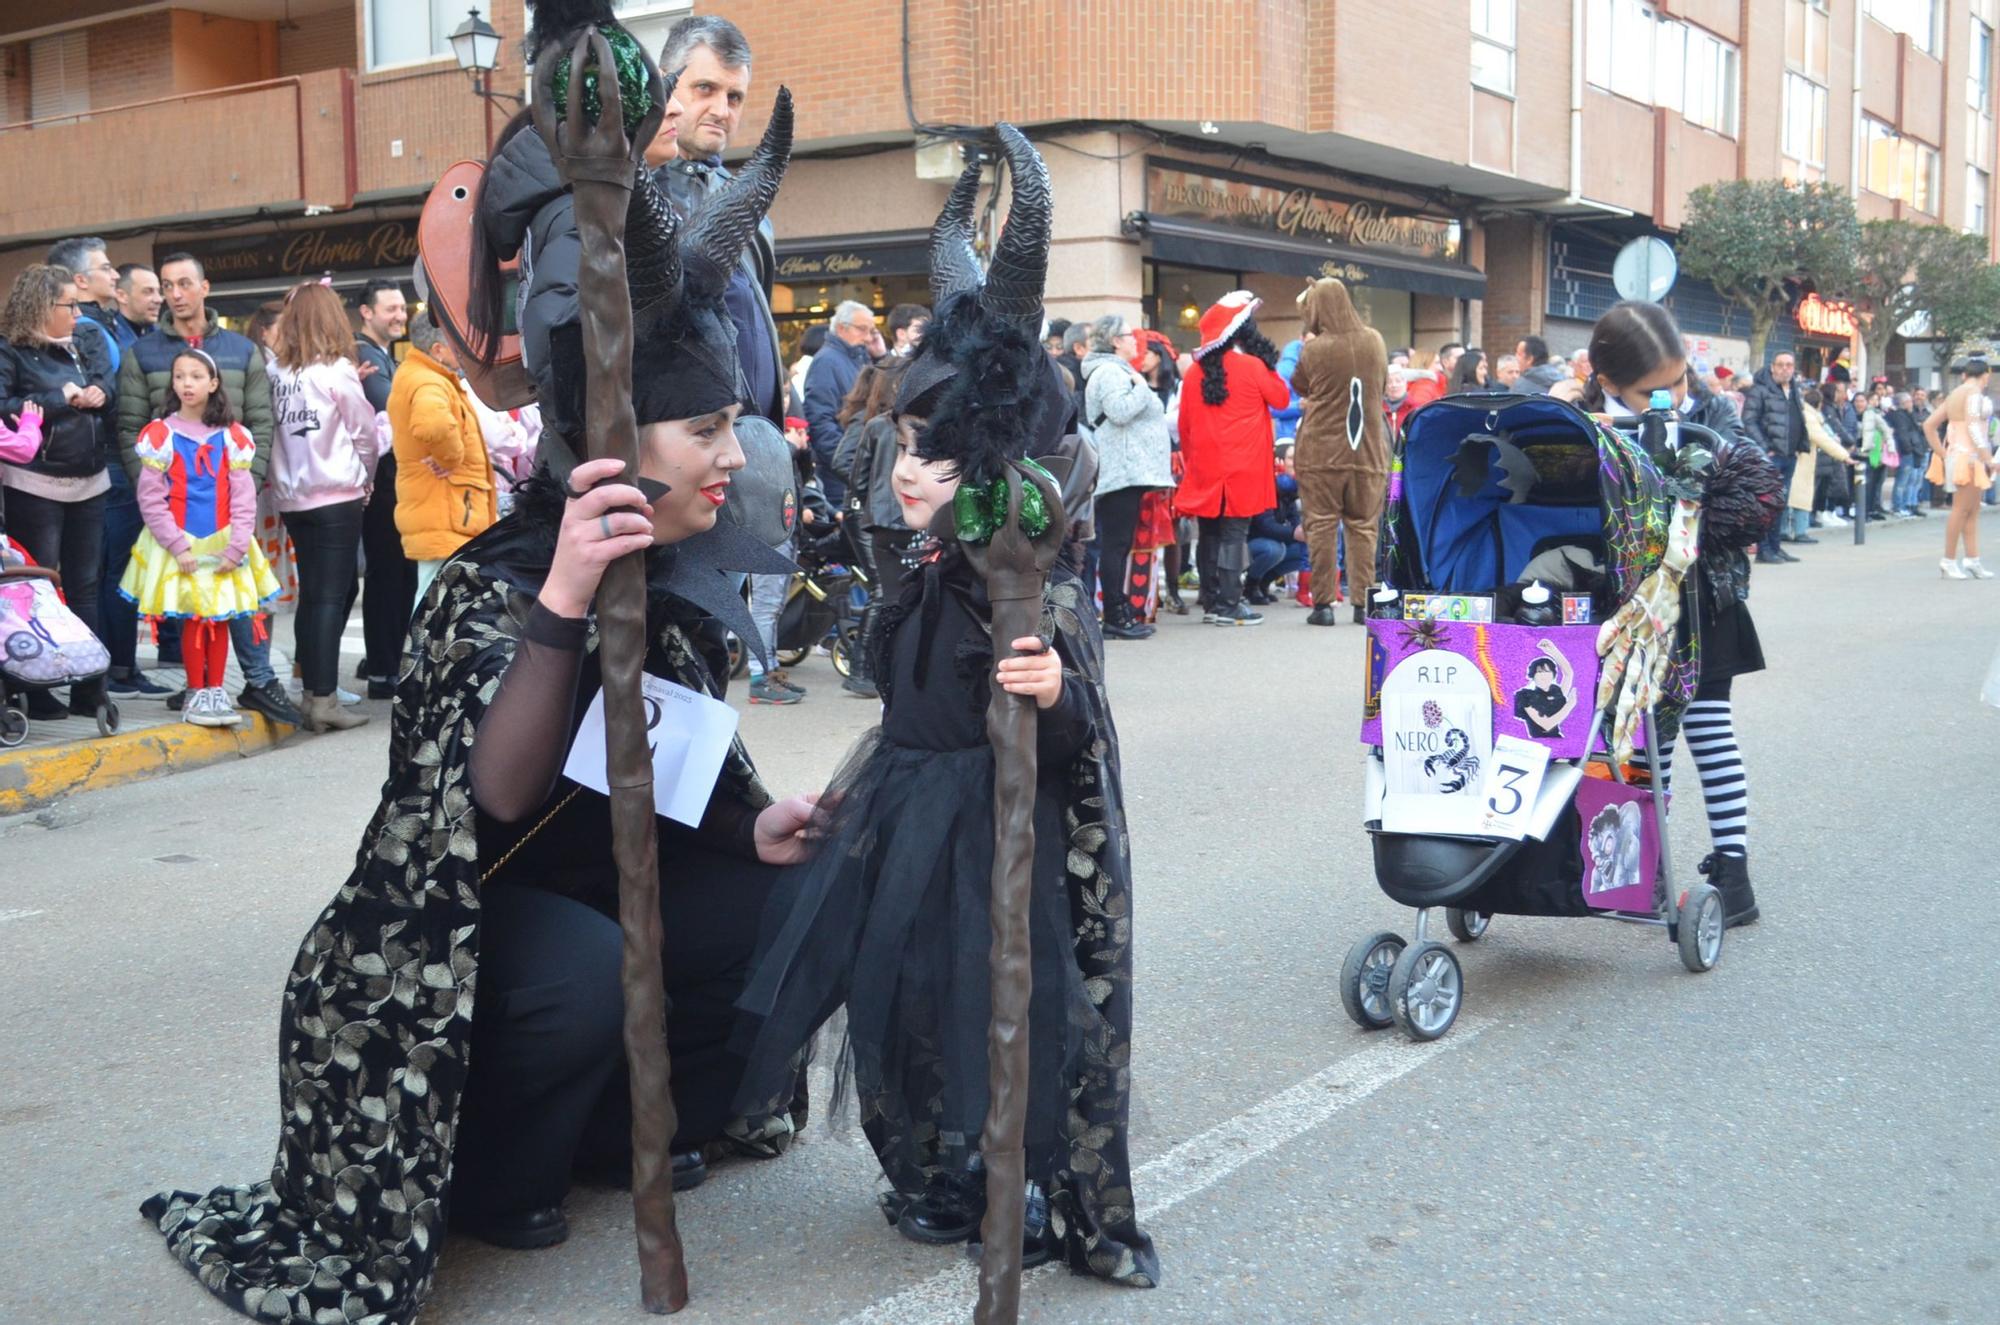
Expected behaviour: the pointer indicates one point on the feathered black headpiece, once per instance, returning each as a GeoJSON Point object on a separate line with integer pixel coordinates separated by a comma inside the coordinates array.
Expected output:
{"type": "Point", "coordinates": [979, 378]}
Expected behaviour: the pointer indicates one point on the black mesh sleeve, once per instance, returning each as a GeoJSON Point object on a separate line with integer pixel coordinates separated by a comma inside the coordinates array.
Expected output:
{"type": "Point", "coordinates": [523, 737]}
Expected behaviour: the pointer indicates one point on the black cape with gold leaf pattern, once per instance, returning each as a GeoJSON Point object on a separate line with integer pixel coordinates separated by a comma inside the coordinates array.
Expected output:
{"type": "Point", "coordinates": [376, 1025]}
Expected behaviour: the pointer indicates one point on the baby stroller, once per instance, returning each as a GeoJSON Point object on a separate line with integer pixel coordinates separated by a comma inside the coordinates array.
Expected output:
{"type": "Point", "coordinates": [1514, 526]}
{"type": "Point", "coordinates": [42, 643]}
{"type": "Point", "coordinates": [824, 602]}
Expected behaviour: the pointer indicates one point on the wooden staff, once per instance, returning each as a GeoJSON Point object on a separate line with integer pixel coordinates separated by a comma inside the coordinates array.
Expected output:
{"type": "Point", "coordinates": [598, 161]}
{"type": "Point", "coordinates": [1015, 568]}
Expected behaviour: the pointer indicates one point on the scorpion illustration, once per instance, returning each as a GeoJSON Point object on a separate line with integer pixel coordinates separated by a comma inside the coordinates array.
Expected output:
{"type": "Point", "coordinates": [1457, 766]}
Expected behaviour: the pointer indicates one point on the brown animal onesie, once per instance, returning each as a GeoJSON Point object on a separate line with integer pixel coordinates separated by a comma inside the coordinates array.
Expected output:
{"type": "Point", "coordinates": [1343, 441]}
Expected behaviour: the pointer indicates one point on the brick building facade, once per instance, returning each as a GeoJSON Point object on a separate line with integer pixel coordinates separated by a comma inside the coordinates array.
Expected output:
{"type": "Point", "coordinates": [1471, 169]}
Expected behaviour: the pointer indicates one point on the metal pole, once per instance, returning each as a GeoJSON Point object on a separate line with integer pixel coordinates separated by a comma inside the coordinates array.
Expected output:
{"type": "Point", "coordinates": [1861, 503]}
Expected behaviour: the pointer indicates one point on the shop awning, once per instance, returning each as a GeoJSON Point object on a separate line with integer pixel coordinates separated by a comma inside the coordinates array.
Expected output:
{"type": "Point", "coordinates": [1198, 244]}
{"type": "Point", "coordinates": [831, 258]}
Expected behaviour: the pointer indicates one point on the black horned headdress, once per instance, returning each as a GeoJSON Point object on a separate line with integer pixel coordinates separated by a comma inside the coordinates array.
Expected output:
{"type": "Point", "coordinates": [980, 377]}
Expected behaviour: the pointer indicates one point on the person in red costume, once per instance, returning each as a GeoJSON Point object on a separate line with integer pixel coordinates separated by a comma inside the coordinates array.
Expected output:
{"type": "Point", "coordinates": [1226, 449]}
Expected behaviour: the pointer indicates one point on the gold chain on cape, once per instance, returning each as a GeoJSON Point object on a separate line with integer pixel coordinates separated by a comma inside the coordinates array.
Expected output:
{"type": "Point", "coordinates": [529, 836]}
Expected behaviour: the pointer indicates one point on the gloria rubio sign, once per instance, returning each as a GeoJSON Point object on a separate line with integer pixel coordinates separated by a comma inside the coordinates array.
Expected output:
{"type": "Point", "coordinates": [1295, 211]}
{"type": "Point", "coordinates": [303, 254]}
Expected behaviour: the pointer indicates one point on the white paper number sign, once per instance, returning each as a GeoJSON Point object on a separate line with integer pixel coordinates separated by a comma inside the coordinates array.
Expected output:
{"type": "Point", "coordinates": [1513, 779]}
{"type": "Point", "coordinates": [689, 733]}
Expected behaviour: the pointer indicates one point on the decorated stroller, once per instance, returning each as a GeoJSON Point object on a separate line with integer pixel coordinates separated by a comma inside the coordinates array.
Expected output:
{"type": "Point", "coordinates": [42, 643]}
{"type": "Point", "coordinates": [1515, 526]}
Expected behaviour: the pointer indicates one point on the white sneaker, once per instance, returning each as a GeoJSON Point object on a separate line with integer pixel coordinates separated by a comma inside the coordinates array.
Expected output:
{"type": "Point", "coordinates": [1832, 520]}
{"type": "Point", "coordinates": [295, 690]}
{"type": "Point", "coordinates": [221, 710]}
{"type": "Point", "coordinates": [1950, 569]}
{"type": "Point", "coordinates": [1971, 566]}
{"type": "Point", "coordinates": [200, 708]}
{"type": "Point", "coordinates": [345, 696]}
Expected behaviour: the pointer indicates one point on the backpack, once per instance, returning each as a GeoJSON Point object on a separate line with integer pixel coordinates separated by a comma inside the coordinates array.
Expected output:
{"type": "Point", "coordinates": [444, 278]}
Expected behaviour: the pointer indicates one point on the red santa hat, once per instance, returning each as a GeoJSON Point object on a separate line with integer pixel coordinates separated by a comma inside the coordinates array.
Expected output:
{"type": "Point", "coordinates": [1224, 318]}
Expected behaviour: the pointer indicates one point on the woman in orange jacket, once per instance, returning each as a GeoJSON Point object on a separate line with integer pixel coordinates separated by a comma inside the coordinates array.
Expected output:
{"type": "Point", "coordinates": [444, 478]}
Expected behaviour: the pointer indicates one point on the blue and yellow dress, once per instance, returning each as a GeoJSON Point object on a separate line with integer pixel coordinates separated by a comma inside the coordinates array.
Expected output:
{"type": "Point", "coordinates": [201, 488]}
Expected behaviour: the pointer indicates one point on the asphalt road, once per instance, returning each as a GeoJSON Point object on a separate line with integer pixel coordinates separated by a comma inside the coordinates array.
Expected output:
{"type": "Point", "coordinates": [1807, 1134]}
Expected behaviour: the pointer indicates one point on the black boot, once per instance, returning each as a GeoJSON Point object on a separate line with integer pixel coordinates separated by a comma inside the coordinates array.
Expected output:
{"type": "Point", "coordinates": [521, 1230]}
{"type": "Point", "coordinates": [1731, 877]}
{"type": "Point", "coordinates": [952, 1204]}
{"type": "Point", "coordinates": [1119, 622]}
{"type": "Point", "coordinates": [1038, 1239]}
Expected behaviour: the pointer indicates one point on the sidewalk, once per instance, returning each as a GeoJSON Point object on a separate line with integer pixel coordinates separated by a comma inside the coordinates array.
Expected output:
{"type": "Point", "coordinates": [59, 758]}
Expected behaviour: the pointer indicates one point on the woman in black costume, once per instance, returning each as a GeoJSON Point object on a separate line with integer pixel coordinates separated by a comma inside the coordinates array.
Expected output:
{"type": "Point", "coordinates": [450, 1043]}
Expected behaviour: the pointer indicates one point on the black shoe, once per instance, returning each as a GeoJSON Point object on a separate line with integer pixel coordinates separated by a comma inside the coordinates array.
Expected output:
{"type": "Point", "coordinates": [1770, 557]}
{"type": "Point", "coordinates": [1127, 630]}
{"type": "Point", "coordinates": [1731, 877]}
{"type": "Point", "coordinates": [177, 700]}
{"type": "Point", "coordinates": [361, 670]}
{"type": "Point", "coordinates": [1806, 540]}
{"type": "Point", "coordinates": [525, 1230]}
{"type": "Point", "coordinates": [952, 1204]}
{"type": "Point", "coordinates": [271, 700]}
{"type": "Point", "coordinates": [1257, 596]}
{"type": "Point", "coordinates": [45, 707]}
{"type": "Point", "coordinates": [380, 688]}
{"type": "Point", "coordinates": [1323, 615]}
{"type": "Point", "coordinates": [1360, 615]}
{"type": "Point", "coordinates": [1174, 603]}
{"type": "Point", "coordinates": [1788, 557]}
{"type": "Point", "coordinates": [1038, 1241]}
{"type": "Point", "coordinates": [1238, 615]}
{"type": "Point", "coordinates": [862, 686]}
{"type": "Point", "coordinates": [690, 1170]}
{"type": "Point", "coordinates": [136, 686]}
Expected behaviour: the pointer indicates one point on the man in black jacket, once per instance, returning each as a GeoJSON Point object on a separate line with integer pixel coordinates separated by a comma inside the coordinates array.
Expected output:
{"type": "Point", "coordinates": [1774, 418]}
{"type": "Point", "coordinates": [389, 591]}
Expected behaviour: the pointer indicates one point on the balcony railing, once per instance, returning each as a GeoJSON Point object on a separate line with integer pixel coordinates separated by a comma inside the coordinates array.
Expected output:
{"type": "Point", "coordinates": [284, 144]}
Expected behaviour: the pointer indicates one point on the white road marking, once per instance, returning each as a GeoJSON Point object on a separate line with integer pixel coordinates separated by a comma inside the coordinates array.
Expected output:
{"type": "Point", "coordinates": [18, 915]}
{"type": "Point", "coordinates": [1195, 1165]}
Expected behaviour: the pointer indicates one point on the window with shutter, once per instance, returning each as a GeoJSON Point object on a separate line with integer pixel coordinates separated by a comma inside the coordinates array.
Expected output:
{"type": "Point", "coordinates": [59, 75]}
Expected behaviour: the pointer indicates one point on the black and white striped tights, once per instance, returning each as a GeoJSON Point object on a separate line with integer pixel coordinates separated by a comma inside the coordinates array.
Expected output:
{"type": "Point", "coordinates": [1709, 727]}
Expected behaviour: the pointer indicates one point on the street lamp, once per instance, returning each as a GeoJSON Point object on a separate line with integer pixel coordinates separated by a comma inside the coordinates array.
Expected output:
{"type": "Point", "coordinates": [475, 44]}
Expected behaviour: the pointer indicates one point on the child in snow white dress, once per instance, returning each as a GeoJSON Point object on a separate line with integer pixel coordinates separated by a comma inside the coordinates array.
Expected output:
{"type": "Point", "coordinates": [196, 560]}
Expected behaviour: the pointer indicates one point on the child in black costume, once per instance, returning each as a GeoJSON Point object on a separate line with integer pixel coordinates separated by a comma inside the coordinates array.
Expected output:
{"type": "Point", "coordinates": [891, 917]}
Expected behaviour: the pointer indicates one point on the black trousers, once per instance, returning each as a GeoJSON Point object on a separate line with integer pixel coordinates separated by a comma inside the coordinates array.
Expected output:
{"type": "Point", "coordinates": [117, 615]}
{"type": "Point", "coordinates": [326, 539]}
{"type": "Point", "coordinates": [389, 586]}
{"type": "Point", "coordinates": [547, 1092]}
{"type": "Point", "coordinates": [1117, 521]}
{"type": "Point", "coordinates": [1221, 557]}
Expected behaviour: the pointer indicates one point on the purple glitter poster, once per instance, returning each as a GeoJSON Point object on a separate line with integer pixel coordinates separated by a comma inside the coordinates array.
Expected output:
{"type": "Point", "coordinates": [1542, 679]}
{"type": "Point", "coordinates": [1621, 845]}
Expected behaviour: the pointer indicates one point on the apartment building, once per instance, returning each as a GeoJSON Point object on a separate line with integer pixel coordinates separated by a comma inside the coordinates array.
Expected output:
{"type": "Point", "coordinates": [1471, 168]}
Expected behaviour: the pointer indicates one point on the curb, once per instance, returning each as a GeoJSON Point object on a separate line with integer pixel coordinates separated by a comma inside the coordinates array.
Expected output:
{"type": "Point", "coordinates": [30, 779]}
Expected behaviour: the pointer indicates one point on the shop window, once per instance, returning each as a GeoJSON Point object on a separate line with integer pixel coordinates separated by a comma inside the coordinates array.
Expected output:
{"type": "Point", "coordinates": [1493, 45]}
{"type": "Point", "coordinates": [413, 31]}
{"type": "Point", "coordinates": [1915, 19]}
{"type": "Point", "coordinates": [1618, 47]}
{"type": "Point", "coordinates": [1806, 27]}
{"type": "Point", "coordinates": [1709, 65]}
{"type": "Point", "coordinates": [1978, 188]}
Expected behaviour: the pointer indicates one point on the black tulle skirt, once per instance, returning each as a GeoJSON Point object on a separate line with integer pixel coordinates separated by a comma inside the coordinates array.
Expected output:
{"type": "Point", "coordinates": [890, 918]}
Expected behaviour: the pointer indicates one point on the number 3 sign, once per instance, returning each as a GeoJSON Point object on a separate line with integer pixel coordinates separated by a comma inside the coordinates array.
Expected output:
{"type": "Point", "coordinates": [1513, 778]}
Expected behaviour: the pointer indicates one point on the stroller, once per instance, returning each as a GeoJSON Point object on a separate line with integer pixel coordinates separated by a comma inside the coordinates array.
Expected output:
{"type": "Point", "coordinates": [824, 602]}
{"type": "Point", "coordinates": [42, 643]}
{"type": "Point", "coordinates": [1513, 526]}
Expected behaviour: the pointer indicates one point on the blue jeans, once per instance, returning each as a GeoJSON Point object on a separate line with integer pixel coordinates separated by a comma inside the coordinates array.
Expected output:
{"type": "Point", "coordinates": [1269, 557]}
{"type": "Point", "coordinates": [1909, 485]}
{"type": "Point", "coordinates": [767, 601]}
{"type": "Point", "coordinates": [1796, 523]}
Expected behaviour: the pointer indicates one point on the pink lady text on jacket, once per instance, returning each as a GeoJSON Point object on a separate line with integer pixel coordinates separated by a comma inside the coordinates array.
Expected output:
{"type": "Point", "coordinates": [326, 439]}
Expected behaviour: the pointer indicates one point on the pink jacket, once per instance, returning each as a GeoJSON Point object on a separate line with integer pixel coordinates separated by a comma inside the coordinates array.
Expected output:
{"type": "Point", "coordinates": [19, 445]}
{"type": "Point", "coordinates": [326, 441]}
{"type": "Point", "coordinates": [158, 482]}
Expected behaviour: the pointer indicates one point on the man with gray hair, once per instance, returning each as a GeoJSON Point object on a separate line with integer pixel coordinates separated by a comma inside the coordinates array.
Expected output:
{"type": "Point", "coordinates": [712, 59]}
{"type": "Point", "coordinates": [853, 342]}
{"type": "Point", "coordinates": [1506, 372]}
